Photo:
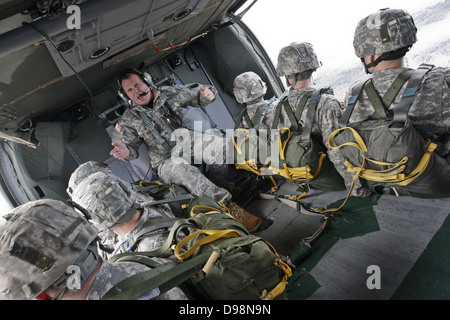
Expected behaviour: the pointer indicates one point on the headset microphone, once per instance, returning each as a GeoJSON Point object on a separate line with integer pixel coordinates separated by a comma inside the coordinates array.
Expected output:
{"type": "Point", "coordinates": [144, 94]}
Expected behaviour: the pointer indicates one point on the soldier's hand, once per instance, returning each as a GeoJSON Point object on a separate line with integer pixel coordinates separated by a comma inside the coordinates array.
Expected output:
{"type": "Point", "coordinates": [207, 93]}
{"type": "Point", "coordinates": [120, 151]}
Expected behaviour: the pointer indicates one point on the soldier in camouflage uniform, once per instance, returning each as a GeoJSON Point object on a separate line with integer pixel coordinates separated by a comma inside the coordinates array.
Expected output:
{"type": "Point", "coordinates": [258, 113]}
{"type": "Point", "coordinates": [249, 89]}
{"type": "Point", "coordinates": [114, 205]}
{"type": "Point", "coordinates": [381, 41]}
{"type": "Point", "coordinates": [297, 62]}
{"type": "Point", "coordinates": [41, 240]}
{"type": "Point", "coordinates": [108, 238]}
{"type": "Point", "coordinates": [164, 107]}
{"type": "Point", "coordinates": [83, 171]}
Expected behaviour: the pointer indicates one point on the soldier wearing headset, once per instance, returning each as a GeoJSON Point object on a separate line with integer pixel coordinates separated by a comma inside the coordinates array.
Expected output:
{"type": "Point", "coordinates": [155, 113]}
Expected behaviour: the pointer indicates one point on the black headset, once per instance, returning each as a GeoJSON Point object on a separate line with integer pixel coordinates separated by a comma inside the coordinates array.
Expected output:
{"type": "Point", "coordinates": [146, 78]}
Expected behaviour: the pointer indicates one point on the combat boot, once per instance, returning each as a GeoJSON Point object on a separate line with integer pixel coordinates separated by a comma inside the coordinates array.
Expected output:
{"type": "Point", "coordinates": [248, 220]}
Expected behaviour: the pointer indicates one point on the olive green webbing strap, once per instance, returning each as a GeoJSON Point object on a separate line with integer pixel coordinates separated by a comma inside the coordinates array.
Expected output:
{"type": "Point", "coordinates": [164, 277]}
{"type": "Point", "coordinates": [301, 105]}
{"type": "Point", "coordinates": [294, 118]}
{"type": "Point", "coordinates": [255, 120]}
{"type": "Point", "coordinates": [381, 105]}
{"type": "Point", "coordinates": [155, 224]}
{"type": "Point", "coordinates": [356, 92]}
{"type": "Point", "coordinates": [239, 120]}
{"type": "Point", "coordinates": [395, 87]}
{"type": "Point", "coordinates": [151, 126]}
{"type": "Point", "coordinates": [312, 99]}
{"type": "Point", "coordinates": [247, 119]}
{"type": "Point", "coordinates": [138, 257]}
{"type": "Point", "coordinates": [375, 101]}
{"type": "Point", "coordinates": [181, 197]}
{"type": "Point", "coordinates": [311, 114]}
{"type": "Point", "coordinates": [401, 111]}
{"type": "Point", "coordinates": [257, 117]}
{"type": "Point", "coordinates": [162, 251]}
{"type": "Point", "coordinates": [281, 101]}
{"type": "Point", "coordinates": [291, 115]}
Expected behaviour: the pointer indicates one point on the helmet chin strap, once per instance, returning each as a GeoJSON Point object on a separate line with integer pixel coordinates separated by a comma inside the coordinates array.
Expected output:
{"type": "Point", "coordinates": [391, 55]}
{"type": "Point", "coordinates": [299, 77]}
{"type": "Point", "coordinates": [374, 63]}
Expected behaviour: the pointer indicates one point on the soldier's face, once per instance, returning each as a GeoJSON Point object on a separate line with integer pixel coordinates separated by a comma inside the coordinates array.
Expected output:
{"type": "Point", "coordinates": [137, 90]}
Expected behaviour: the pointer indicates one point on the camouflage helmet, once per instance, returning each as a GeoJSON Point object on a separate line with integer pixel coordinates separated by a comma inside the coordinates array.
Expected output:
{"type": "Point", "coordinates": [83, 171]}
{"type": "Point", "coordinates": [38, 244]}
{"type": "Point", "coordinates": [106, 198]}
{"type": "Point", "coordinates": [297, 58]}
{"type": "Point", "coordinates": [384, 31]}
{"type": "Point", "coordinates": [248, 87]}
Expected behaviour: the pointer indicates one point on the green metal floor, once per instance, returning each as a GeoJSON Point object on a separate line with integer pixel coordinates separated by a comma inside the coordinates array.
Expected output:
{"type": "Point", "coordinates": [405, 238]}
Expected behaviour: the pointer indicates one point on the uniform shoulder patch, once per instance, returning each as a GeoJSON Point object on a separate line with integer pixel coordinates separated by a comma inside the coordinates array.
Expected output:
{"type": "Point", "coordinates": [118, 127]}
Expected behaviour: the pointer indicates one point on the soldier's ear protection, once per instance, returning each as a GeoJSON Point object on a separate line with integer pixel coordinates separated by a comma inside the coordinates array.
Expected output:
{"type": "Point", "coordinates": [145, 77]}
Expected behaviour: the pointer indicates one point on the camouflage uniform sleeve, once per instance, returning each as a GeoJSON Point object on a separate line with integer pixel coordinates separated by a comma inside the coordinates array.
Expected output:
{"type": "Point", "coordinates": [188, 95]}
{"type": "Point", "coordinates": [430, 110]}
{"type": "Point", "coordinates": [129, 136]}
{"type": "Point", "coordinates": [284, 119]}
{"type": "Point", "coordinates": [110, 275]}
{"type": "Point", "coordinates": [327, 117]}
{"type": "Point", "coordinates": [329, 112]}
{"type": "Point", "coordinates": [348, 94]}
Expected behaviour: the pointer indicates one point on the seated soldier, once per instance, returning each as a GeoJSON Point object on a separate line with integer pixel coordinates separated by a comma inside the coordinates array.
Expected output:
{"type": "Point", "coordinates": [46, 243]}
{"type": "Point", "coordinates": [249, 89]}
{"type": "Point", "coordinates": [113, 205]}
{"type": "Point", "coordinates": [154, 115]}
{"type": "Point", "coordinates": [314, 111]}
{"type": "Point", "coordinates": [381, 41]}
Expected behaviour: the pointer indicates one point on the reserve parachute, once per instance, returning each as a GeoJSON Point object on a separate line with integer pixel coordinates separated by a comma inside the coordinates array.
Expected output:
{"type": "Point", "coordinates": [390, 155]}
{"type": "Point", "coordinates": [301, 158]}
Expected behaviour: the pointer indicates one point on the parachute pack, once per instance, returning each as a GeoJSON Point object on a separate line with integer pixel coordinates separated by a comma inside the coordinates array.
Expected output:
{"type": "Point", "coordinates": [389, 154]}
{"type": "Point", "coordinates": [246, 267]}
{"type": "Point", "coordinates": [302, 156]}
{"type": "Point", "coordinates": [219, 258]}
{"type": "Point", "coordinates": [176, 196]}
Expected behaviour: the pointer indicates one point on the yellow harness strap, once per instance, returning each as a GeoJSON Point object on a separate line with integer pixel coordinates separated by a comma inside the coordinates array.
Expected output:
{"type": "Point", "coordinates": [211, 235]}
{"type": "Point", "coordinates": [250, 165]}
{"type": "Point", "coordinates": [287, 273]}
{"type": "Point", "coordinates": [392, 175]}
{"type": "Point", "coordinates": [302, 174]}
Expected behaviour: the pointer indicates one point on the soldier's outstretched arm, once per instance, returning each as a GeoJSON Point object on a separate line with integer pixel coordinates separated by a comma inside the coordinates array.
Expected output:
{"type": "Point", "coordinates": [120, 151]}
